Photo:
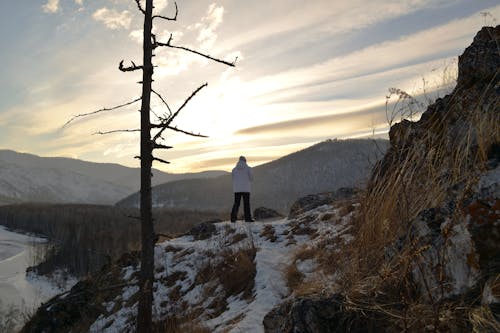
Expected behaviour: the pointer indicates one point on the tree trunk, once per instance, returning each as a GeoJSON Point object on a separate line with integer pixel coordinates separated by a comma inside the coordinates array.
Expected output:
{"type": "Point", "coordinates": [144, 315]}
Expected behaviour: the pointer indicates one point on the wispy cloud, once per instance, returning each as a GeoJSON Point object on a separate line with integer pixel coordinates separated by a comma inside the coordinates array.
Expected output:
{"type": "Point", "coordinates": [306, 72]}
{"type": "Point", "coordinates": [52, 6]}
{"type": "Point", "coordinates": [113, 19]}
{"type": "Point", "coordinates": [207, 35]}
{"type": "Point", "coordinates": [200, 36]}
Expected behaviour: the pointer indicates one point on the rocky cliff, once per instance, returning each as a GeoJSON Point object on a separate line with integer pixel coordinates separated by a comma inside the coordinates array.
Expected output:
{"type": "Point", "coordinates": [426, 252]}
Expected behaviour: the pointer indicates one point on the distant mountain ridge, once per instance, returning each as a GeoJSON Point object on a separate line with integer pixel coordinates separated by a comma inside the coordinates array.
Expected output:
{"type": "Point", "coordinates": [27, 177]}
{"type": "Point", "coordinates": [323, 167]}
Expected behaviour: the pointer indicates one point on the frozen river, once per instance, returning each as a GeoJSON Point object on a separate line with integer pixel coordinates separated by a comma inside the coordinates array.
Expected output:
{"type": "Point", "coordinates": [16, 253]}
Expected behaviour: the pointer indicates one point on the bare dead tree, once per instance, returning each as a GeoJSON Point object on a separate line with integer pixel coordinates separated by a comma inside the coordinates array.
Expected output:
{"type": "Point", "coordinates": [151, 138]}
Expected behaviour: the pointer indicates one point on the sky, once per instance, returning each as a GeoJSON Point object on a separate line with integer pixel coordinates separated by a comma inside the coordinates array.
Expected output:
{"type": "Point", "coordinates": [305, 72]}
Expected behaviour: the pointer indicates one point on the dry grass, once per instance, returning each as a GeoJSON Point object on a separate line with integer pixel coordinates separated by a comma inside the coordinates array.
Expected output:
{"type": "Point", "coordinates": [424, 167]}
{"type": "Point", "coordinates": [269, 233]}
{"type": "Point", "coordinates": [236, 272]}
{"type": "Point", "coordinates": [483, 320]}
{"type": "Point", "coordinates": [293, 277]}
{"type": "Point", "coordinates": [236, 238]}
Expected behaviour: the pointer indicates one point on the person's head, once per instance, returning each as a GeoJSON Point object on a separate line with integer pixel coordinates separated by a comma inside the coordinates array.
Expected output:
{"type": "Point", "coordinates": [243, 159]}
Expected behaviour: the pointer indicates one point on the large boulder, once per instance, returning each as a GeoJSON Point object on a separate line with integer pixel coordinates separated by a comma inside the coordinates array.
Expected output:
{"type": "Point", "coordinates": [263, 213]}
{"type": "Point", "coordinates": [204, 230]}
{"type": "Point", "coordinates": [312, 201]}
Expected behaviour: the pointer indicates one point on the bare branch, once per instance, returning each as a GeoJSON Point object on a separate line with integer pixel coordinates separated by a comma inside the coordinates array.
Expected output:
{"type": "Point", "coordinates": [132, 68]}
{"type": "Point", "coordinates": [163, 100]}
{"type": "Point", "coordinates": [187, 133]}
{"type": "Point", "coordinates": [160, 146]}
{"type": "Point", "coordinates": [170, 119]}
{"type": "Point", "coordinates": [160, 160]}
{"type": "Point", "coordinates": [168, 44]}
{"type": "Point", "coordinates": [101, 110]}
{"type": "Point", "coordinates": [164, 125]}
{"type": "Point", "coordinates": [152, 111]}
{"type": "Point", "coordinates": [140, 7]}
{"type": "Point", "coordinates": [117, 131]}
{"type": "Point", "coordinates": [169, 18]}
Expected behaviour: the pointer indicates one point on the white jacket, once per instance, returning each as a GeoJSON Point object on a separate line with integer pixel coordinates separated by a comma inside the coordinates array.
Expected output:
{"type": "Point", "coordinates": [242, 177]}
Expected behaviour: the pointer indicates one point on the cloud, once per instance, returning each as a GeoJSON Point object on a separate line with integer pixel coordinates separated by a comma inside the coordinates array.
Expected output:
{"type": "Point", "coordinates": [52, 6]}
{"type": "Point", "coordinates": [112, 18]}
{"type": "Point", "coordinates": [229, 162]}
{"type": "Point", "coordinates": [335, 18]}
{"type": "Point", "coordinates": [210, 22]}
{"type": "Point", "coordinates": [200, 36]}
{"type": "Point", "coordinates": [136, 35]}
{"type": "Point", "coordinates": [79, 2]}
{"type": "Point", "coordinates": [332, 122]}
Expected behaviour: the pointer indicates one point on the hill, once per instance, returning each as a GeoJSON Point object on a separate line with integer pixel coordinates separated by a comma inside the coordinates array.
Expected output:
{"type": "Point", "coordinates": [27, 177]}
{"type": "Point", "coordinates": [323, 167]}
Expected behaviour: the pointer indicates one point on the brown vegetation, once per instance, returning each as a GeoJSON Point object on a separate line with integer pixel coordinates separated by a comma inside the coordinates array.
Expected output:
{"type": "Point", "coordinates": [428, 164]}
{"type": "Point", "coordinates": [269, 233]}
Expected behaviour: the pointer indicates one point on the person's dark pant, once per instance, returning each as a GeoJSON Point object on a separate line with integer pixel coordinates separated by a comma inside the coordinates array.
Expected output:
{"type": "Point", "coordinates": [246, 206]}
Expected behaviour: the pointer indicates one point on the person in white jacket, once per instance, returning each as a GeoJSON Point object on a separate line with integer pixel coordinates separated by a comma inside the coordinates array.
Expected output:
{"type": "Point", "coordinates": [242, 186]}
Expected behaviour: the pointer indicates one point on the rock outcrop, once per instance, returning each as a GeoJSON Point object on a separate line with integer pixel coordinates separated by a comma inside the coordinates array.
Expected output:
{"type": "Point", "coordinates": [442, 175]}
{"type": "Point", "coordinates": [321, 314]}
{"type": "Point", "coordinates": [312, 201]}
{"type": "Point", "coordinates": [263, 213]}
{"type": "Point", "coordinates": [203, 230]}
{"type": "Point", "coordinates": [462, 234]}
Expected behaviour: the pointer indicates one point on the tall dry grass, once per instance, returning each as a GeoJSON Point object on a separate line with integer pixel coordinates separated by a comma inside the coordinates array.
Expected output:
{"type": "Point", "coordinates": [419, 173]}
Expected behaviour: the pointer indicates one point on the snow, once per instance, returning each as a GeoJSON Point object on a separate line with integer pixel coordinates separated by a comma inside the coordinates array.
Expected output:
{"type": "Point", "coordinates": [185, 279]}
{"type": "Point", "coordinates": [32, 183]}
{"type": "Point", "coordinates": [18, 289]}
{"type": "Point", "coordinates": [129, 292]}
{"type": "Point", "coordinates": [270, 286]}
{"type": "Point", "coordinates": [16, 286]}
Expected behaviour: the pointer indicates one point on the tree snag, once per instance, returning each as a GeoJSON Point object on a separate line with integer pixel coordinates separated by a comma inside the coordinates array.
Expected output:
{"type": "Point", "coordinates": [149, 142]}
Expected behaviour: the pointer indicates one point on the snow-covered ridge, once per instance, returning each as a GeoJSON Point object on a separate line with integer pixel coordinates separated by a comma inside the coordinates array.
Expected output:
{"type": "Point", "coordinates": [199, 278]}
{"type": "Point", "coordinates": [26, 177]}
{"type": "Point", "coordinates": [225, 280]}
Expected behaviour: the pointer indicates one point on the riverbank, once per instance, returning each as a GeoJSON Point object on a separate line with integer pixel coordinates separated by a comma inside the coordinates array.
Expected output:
{"type": "Point", "coordinates": [19, 290]}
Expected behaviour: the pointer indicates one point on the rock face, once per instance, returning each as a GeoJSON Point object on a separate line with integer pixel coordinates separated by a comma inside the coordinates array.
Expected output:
{"type": "Point", "coordinates": [320, 315]}
{"type": "Point", "coordinates": [480, 61]}
{"type": "Point", "coordinates": [460, 234]}
{"type": "Point", "coordinates": [453, 118]}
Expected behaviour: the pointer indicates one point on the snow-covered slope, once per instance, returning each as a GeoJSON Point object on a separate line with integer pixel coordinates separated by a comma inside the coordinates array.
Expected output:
{"type": "Point", "coordinates": [223, 278]}
{"type": "Point", "coordinates": [26, 177]}
{"type": "Point", "coordinates": [55, 185]}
